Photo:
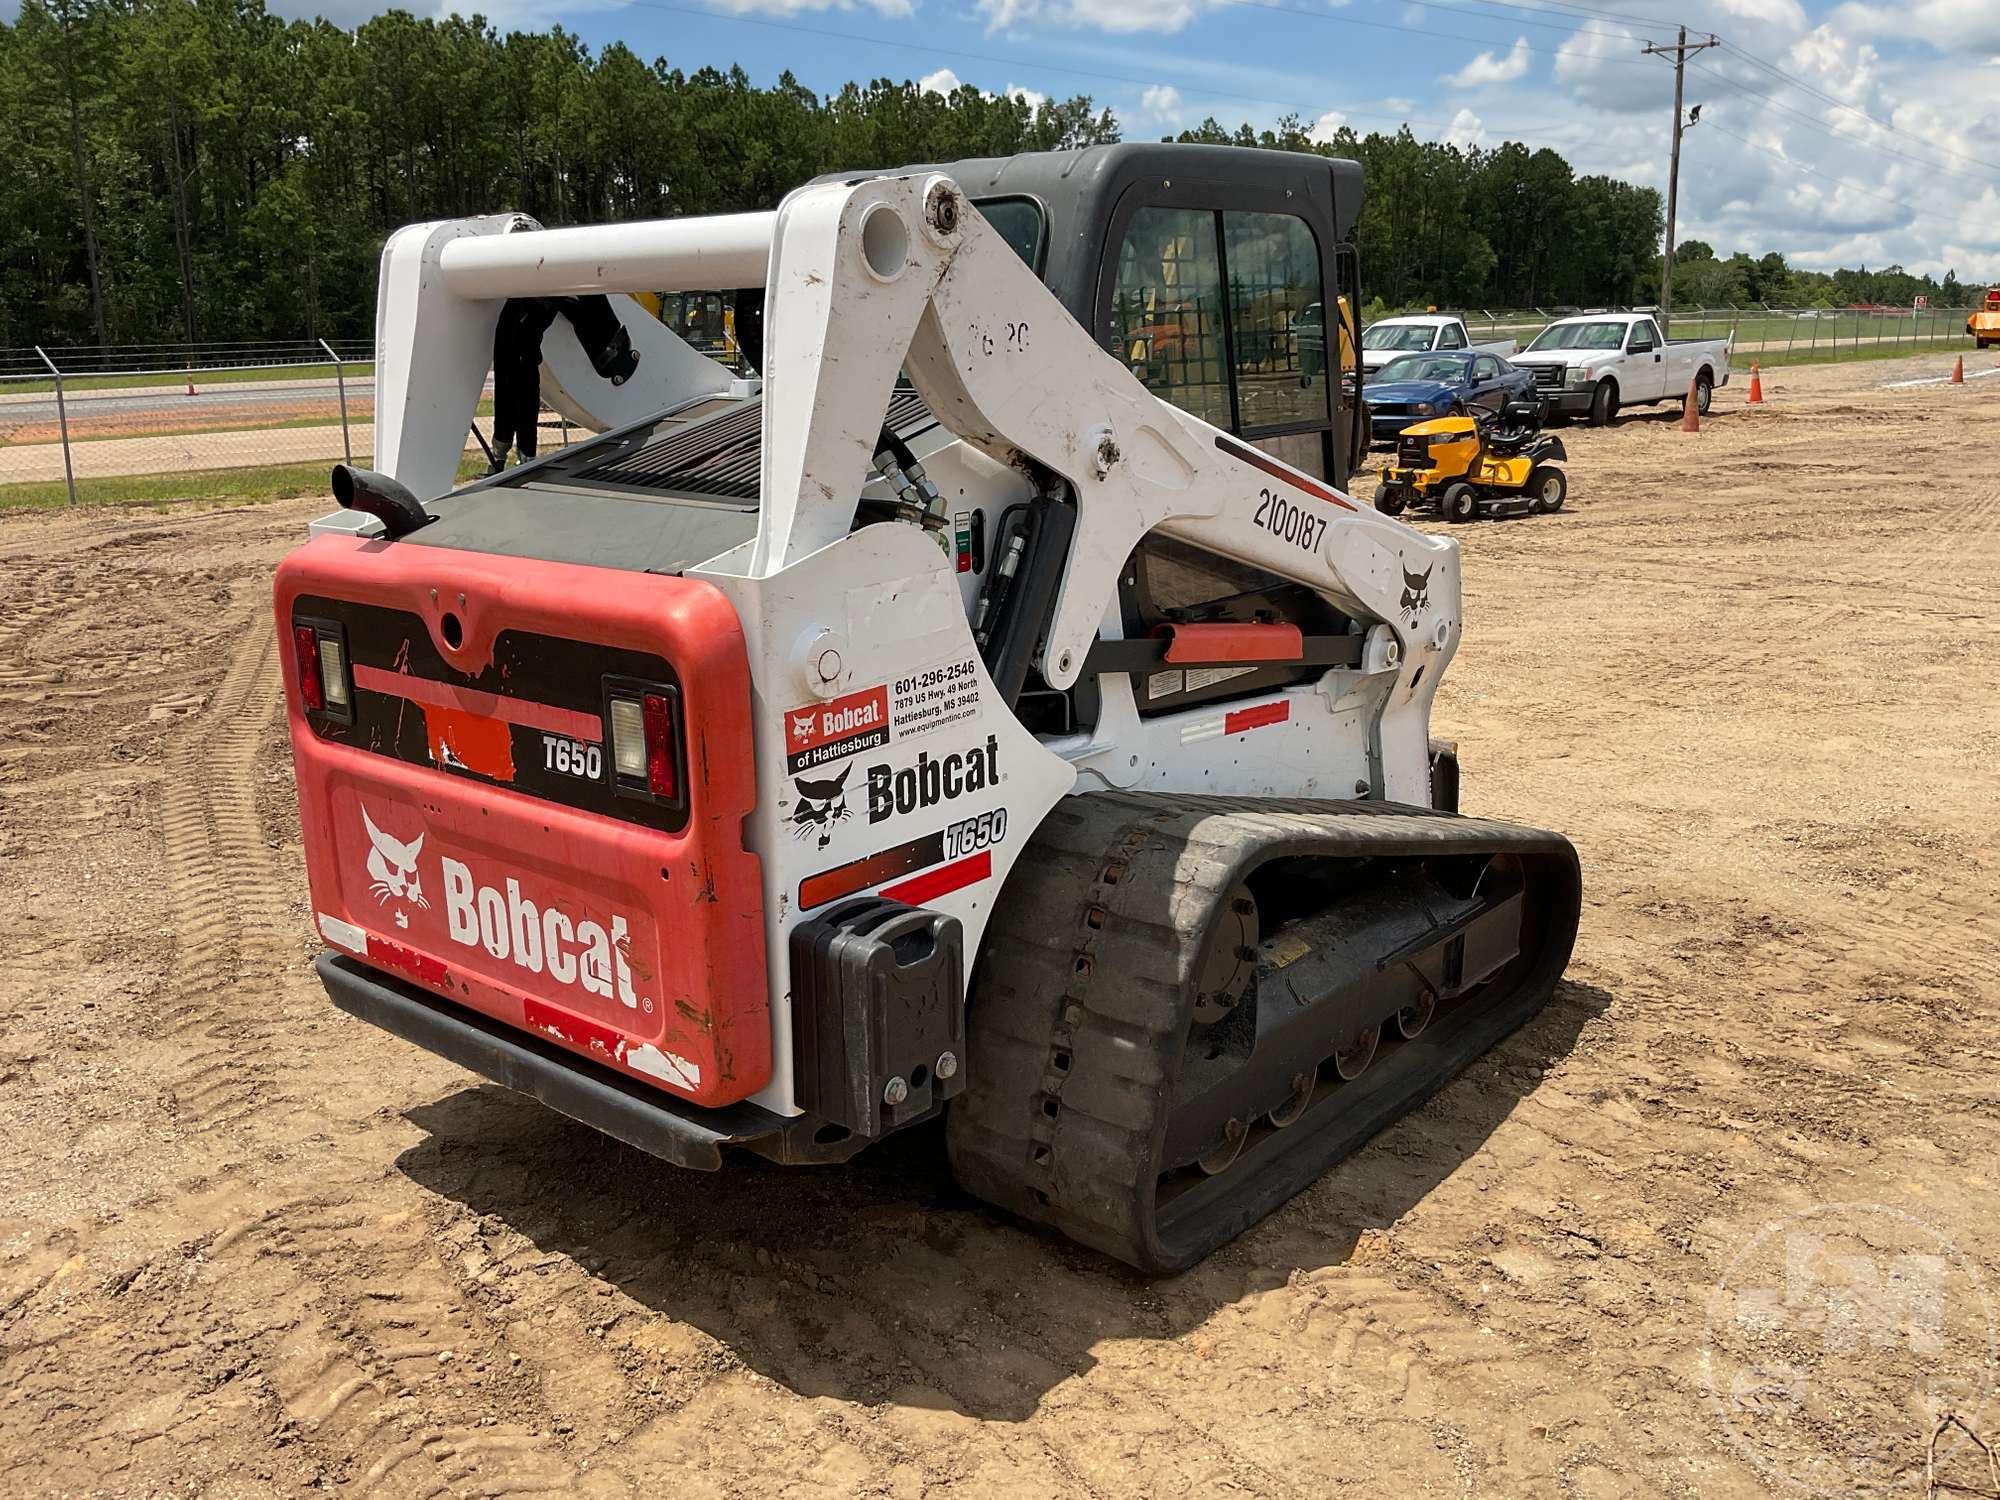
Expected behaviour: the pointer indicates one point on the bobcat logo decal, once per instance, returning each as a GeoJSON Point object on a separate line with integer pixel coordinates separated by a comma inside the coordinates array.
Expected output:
{"type": "Point", "coordinates": [821, 805]}
{"type": "Point", "coordinates": [392, 869]}
{"type": "Point", "coordinates": [1416, 593]}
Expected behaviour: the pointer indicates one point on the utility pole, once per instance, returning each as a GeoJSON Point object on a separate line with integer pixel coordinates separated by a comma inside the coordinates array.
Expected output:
{"type": "Point", "coordinates": [1680, 51]}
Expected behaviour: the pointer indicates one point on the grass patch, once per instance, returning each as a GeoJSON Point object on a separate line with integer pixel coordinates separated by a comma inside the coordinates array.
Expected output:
{"type": "Point", "coordinates": [156, 378]}
{"type": "Point", "coordinates": [1777, 358]}
{"type": "Point", "coordinates": [358, 415]}
{"type": "Point", "coordinates": [206, 487]}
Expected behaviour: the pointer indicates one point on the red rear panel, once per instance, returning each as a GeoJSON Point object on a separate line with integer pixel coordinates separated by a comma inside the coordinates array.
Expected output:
{"type": "Point", "coordinates": [465, 828]}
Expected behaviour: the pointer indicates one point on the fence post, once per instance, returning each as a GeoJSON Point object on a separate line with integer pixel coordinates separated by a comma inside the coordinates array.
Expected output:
{"type": "Point", "coordinates": [340, 380]}
{"type": "Point", "coordinates": [62, 420]}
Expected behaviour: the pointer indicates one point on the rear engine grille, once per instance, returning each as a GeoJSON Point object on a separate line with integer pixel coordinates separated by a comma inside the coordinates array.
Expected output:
{"type": "Point", "coordinates": [721, 459]}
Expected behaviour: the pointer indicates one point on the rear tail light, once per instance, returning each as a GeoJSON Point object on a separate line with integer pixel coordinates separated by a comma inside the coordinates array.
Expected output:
{"type": "Point", "coordinates": [321, 653]}
{"type": "Point", "coordinates": [305, 643]}
{"type": "Point", "coordinates": [643, 727]}
{"type": "Point", "coordinates": [661, 779]}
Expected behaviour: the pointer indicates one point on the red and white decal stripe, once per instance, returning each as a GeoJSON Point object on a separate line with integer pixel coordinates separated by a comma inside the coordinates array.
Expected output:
{"type": "Point", "coordinates": [942, 881]}
{"type": "Point", "coordinates": [1237, 721]}
{"type": "Point", "coordinates": [1258, 459]}
{"type": "Point", "coordinates": [419, 966]}
{"type": "Point", "coordinates": [529, 715]}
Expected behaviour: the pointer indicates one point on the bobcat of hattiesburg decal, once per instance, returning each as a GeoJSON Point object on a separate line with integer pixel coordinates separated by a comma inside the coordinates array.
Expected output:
{"type": "Point", "coordinates": [821, 805]}
{"type": "Point", "coordinates": [1416, 592]}
{"type": "Point", "coordinates": [392, 869]}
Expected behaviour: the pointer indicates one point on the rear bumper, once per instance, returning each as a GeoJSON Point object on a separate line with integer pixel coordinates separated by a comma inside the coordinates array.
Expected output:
{"type": "Point", "coordinates": [685, 1134]}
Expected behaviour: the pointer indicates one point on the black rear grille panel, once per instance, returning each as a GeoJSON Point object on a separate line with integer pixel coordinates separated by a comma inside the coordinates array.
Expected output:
{"type": "Point", "coordinates": [720, 459]}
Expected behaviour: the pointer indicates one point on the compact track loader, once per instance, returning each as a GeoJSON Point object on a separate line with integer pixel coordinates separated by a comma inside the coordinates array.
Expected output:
{"type": "Point", "coordinates": [942, 722]}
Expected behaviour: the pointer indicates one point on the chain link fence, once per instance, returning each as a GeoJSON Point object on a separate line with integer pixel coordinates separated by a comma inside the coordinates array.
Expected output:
{"type": "Point", "coordinates": [106, 425]}
{"type": "Point", "coordinates": [1770, 334]}
{"type": "Point", "coordinates": [257, 420]}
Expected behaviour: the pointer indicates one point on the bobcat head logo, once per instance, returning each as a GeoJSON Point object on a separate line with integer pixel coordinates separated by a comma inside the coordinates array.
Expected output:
{"type": "Point", "coordinates": [392, 869]}
{"type": "Point", "coordinates": [821, 805]}
{"type": "Point", "coordinates": [1416, 593]}
{"type": "Point", "coordinates": [802, 726]}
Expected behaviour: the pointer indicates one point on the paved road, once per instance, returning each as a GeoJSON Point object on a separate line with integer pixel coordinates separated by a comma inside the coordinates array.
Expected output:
{"type": "Point", "coordinates": [174, 401]}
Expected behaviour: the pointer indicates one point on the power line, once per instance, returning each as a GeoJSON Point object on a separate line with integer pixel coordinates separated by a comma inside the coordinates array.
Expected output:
{"type": "Point", "coordinates": [1146, 81]}
{"type": "Point", "coordinates": [1828, 99]}
{"type": "Point", "coordinates": [1799, 166]}
{"type": "Point", "coordinates": [1453, 36]}
{"type": "Point", "coordinates": [1840, 135]}
{"type": "Point", "coordinates": [933, 51]}
{"type": "Point", "coordinates": [1518, 19]}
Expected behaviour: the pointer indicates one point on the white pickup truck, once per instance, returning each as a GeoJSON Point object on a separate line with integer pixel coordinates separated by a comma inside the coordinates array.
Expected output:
{"type": "Point", "coordinates": [1594, 363]}
{"type": "Point", "coordinates": [1419, 333]}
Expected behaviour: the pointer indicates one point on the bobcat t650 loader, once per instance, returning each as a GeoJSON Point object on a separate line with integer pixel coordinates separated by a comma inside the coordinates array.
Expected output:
{"type": "Point", "coordinates": [949, 721]}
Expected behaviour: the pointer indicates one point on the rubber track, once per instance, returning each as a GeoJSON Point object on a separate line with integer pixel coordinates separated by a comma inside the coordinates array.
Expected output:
{"type": "Point", "coordinates": [1084, 990]}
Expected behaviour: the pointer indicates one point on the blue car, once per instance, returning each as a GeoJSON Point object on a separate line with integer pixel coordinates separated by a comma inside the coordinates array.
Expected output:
{"type": "Point", "coordinates": [1418, 387]}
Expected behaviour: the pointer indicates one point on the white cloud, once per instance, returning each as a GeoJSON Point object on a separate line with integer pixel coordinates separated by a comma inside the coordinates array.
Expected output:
{"type": "Point", "coordinates": [1594, 64]}
{"type": "Point", "coordinates": [1161, 103]}
{"type": "Point", "coordinates": [1466, 130]}
{"type": "Point", "coordinates": [1487, 68]}
{"type": "Point", "coordinates": [1327, 126]}
{"type": "Point", "coordinates": [943, 81]}
{"type": "Point", "coordinates": [1118, 16]}
{"type": "Point", "coordinates": [1027, 96]}
{"type": "Point", "coordinates": [1837, 63]}
{"type": "Point", "coordinates": [539, 14]}
{"type": "Point", "coordinates": [1952, 26]}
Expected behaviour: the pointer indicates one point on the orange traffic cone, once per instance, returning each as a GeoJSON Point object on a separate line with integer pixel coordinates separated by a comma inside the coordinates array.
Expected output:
{"type": "Point", "coordinates": [1958, 372]}
{"type": "Point", "coordinates": [1756, 386]}
{"type": "Point", "coordinates": [1690, 416]}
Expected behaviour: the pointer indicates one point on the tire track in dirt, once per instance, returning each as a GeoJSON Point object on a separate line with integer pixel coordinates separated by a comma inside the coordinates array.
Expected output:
{"type": "Point", "coordinates": [225, 891]}
{"type": "Point", "coordinates": [368, 1372]}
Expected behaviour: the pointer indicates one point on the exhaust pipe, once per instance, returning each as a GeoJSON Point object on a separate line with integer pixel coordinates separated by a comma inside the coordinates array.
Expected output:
{"type": "Point", "coordinates": [377, 495]}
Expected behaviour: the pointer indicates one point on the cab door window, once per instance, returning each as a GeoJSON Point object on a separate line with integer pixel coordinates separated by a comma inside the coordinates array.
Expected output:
{"type": "Point", "coordinates": [1277, 315]}
{"type": "Point", "coordinates": [1167, 310]}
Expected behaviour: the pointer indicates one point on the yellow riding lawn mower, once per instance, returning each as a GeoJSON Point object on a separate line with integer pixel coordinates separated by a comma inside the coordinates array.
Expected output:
{"type": "Point", "coordinates": [1494, 463]}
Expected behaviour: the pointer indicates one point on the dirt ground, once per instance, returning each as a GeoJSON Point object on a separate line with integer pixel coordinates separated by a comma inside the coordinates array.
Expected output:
{"type": "Point", "coordinates": [249, 1247]}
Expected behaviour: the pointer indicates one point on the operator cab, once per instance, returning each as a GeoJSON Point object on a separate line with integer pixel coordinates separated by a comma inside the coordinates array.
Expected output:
{"type": "Point", "coordinates": [1210, 271]}
{"type": "Point", "coordinates": [1139, 241]}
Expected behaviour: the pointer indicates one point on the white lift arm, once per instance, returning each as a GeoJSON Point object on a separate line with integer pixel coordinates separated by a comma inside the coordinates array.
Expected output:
{"type": "Point", "coordinates": [901, 273]}
{"type": "Point", "coordinates": [440, 294]}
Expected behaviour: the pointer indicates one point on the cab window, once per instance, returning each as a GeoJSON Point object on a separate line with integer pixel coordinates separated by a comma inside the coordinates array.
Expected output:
{"type": "Point", "coordinates": [1450, 338]}
{"type": "Point", "coordinates": [1252, 359]}
{"type": "Point", "coordinates": [1019, 221]}
{"type": "Point", "coordinates": [1274, 309]}
{"type": "Point", "coordinates": [1166, 310]}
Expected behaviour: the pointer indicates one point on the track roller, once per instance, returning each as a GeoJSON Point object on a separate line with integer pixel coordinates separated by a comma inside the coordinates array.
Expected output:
{"type": "Point", "coordinates": [1187, 1008]}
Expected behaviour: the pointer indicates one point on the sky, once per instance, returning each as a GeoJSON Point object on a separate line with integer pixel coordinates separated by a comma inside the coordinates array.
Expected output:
{"type": "Point", "coordinates": [1847, 133]}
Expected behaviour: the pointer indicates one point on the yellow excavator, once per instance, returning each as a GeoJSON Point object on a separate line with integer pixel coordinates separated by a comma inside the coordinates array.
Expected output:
{"type": "Point", "coordinates": [1984, 324]}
